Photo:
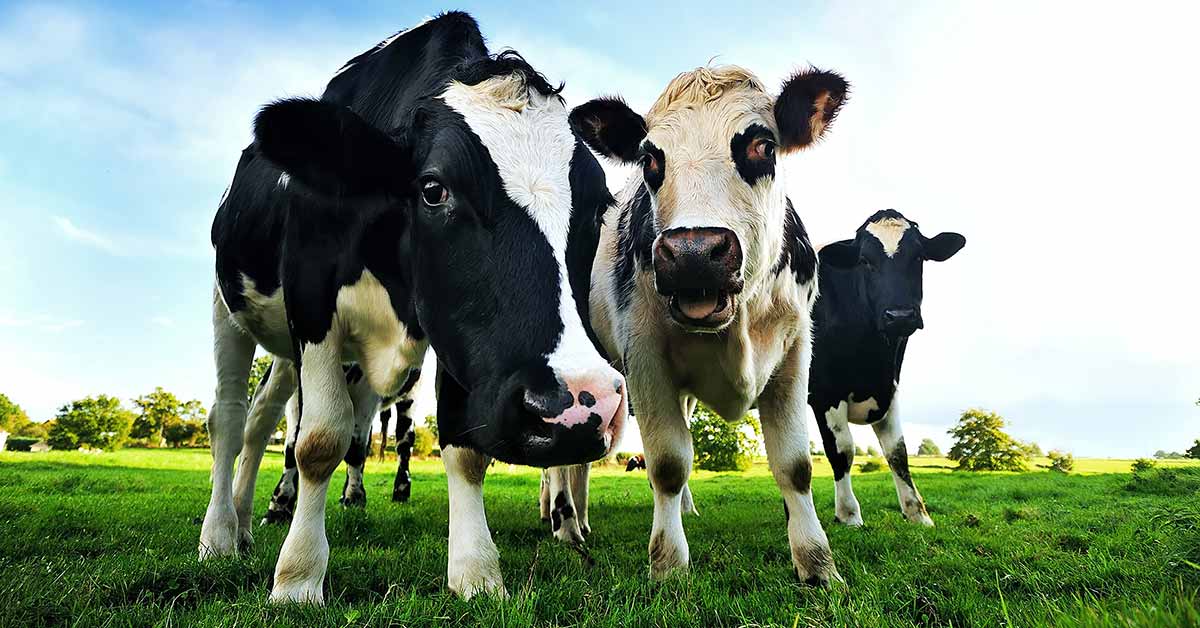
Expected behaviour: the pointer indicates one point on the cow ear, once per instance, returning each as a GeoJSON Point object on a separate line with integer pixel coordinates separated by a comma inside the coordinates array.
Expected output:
{"type": "Point", "coordinates": [943, 246]}
{"type": "Point", "coordinates": [330, 149]}
{"type": "Point", "coordinates": [843, 254]}
{"type": "Point", "coordinates": [807, 105]}
{"type": "Point", "coordinates": [610, 128]}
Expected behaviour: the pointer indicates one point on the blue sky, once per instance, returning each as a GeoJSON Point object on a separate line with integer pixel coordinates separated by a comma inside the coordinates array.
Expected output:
{"type": "Point", "coordinates": [1060, 140]}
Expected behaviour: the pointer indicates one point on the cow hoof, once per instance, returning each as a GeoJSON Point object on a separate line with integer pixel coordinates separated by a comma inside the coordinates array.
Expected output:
{"type": "Point", "coordinates": [401, 496]}
{"type": "Point", "coordinates": [277, 517]}
{"type": "Point", "coordinates": [585, 529]}
{"type": "Point", "coordinates": [468, 585]}
{"type": "Point", "coordinates": [921, 518]}
{"type": "Point", "coordinates": [569, 533]}
{"type": "Point", "coordinates": [354, 500]}
{"type": "Point", "coordinates": [299, 592]}
{"type": "Point", "coordinates": [814, 565]}
{"type": "Point", "coordinates": [852, 520]}
{"type": "Point", "coordinates": [245, 541]}
{"type": "Point", "coordinates": [218, 534]}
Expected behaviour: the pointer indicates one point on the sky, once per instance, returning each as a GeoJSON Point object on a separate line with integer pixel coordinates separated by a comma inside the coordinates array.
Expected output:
{"type": "Point", "coordinates": [1059, 138]}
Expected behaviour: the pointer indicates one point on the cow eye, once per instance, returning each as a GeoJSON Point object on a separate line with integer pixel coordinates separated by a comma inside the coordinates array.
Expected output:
{"type": "Point", "coordinates": [434, 193]}
{"type": "Point", "coordinates": [761, 149]}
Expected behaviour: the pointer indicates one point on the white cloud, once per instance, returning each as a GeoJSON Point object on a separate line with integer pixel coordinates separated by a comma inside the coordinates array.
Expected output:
{"type": "Point", "coordinates": [84, 236]}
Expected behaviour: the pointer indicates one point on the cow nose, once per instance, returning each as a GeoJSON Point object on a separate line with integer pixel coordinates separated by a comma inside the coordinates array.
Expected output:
{"type": "Point", "coordinates": [901, 320]}
{"type": "Point", "coordinates": [697, 260]}
{"type": "Point", "coordinates": [590, 402]}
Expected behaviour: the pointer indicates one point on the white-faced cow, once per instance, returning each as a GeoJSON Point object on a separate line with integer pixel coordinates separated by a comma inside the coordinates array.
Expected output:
{"type": "Point", "coordinates": [704, 280]}
{"type": "Point", "coordinates": [870, 304]}
{"type": "Point", "coordinates": [434, 195]}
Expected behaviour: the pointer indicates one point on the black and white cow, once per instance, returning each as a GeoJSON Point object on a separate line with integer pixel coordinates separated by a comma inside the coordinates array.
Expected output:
{"type": "Point", "coordinates": [434, 195]}
{"type": "Point", "coordinates": [704, 281]}
{"type": "Point", "coordinates": [870, 303]}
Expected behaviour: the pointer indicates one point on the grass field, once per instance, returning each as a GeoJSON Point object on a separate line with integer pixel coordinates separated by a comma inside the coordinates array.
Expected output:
{"type": "Point", "coordinates": [110, 539]}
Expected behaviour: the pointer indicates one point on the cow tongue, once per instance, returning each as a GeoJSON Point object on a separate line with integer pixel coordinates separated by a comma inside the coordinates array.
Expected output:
{"type": "Point", "coordinates": [697, 307]}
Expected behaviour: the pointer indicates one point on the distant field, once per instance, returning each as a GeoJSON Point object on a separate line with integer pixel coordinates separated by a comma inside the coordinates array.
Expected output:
{"type": "Point", "coordinates": [110, 539]}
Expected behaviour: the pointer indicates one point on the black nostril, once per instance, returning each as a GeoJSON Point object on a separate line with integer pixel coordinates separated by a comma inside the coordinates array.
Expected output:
{"type": "Point", "coordinates": [663, 250]}
{"type": "Point", "coordinates": [722, 248]}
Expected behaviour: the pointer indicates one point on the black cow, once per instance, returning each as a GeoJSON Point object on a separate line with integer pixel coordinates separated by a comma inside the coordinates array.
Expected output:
{"type": "Point", "coordinates": [435, 195]}
{"type": "Point", "coordinates": [870, 303]}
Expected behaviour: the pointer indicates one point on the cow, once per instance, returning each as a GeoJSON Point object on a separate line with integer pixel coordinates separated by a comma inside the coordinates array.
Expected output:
{"type": "Point", "coordinates": [870, 304]}
{"type": "Point", "coordinates": [635, 463]}
{"type": "Point", "coordinates": [434, 196]}
{"type": "Point", "coordinates": [705, 277]}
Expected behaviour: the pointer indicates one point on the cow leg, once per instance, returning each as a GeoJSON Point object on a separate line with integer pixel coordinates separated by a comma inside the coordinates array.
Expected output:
{"type": "Point", "coordinates": [474, 563]}
{"type": "Point", "coordinates": [891, 441]}
{"type": "Point", "coordinates": [687, 504]}
{"type": "Point", "coordinates": [839, 449]}
{"type": "Point", "coordinates": [233, 350]}
{"type": "Point", "coordinates": [544, 496]}
{"type": "Point", "coordinates": [283, 499]}
{"type": "Point", "coordinates": [405, 438]}
{"type": "Point", "coordinates": [579, 493]}
{"type": "Point", "coordinates": [326, 427]}
{"type": "Point", "coordinates": [354, 493]}
{"type": "Point", "coordinates": [563, 522]}
{"type": "Point", "coordinates": [668, 446]}
{"type": "Point", "coordinates": [785, 433]}
{"type": "Point", "coordinates": [265, 409]}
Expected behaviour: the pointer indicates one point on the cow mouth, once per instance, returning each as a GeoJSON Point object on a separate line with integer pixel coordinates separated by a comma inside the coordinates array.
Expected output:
{"type": "Point", "coordinates": [708, 310]}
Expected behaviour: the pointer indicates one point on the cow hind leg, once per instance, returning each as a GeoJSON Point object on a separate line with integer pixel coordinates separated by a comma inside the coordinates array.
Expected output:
{"type": "Point", "coordinates": [891, 441]}
{"type": "Point", "coordinates": [366, 403]}
{"type": "Point", "coordinates": [326, 427]}
{"type": "Point", "coordinates": [283, 499]}
{"type": "Point", "coordinates": [233, 351]}
{"type": "Point", "coordinates": [580, 475]}
{"type": "Point", "coordinates": [405, 438]}
{"type": "Point", "coordinates": [265, 409]}
{"type": "Point", "coordinates": [687, 504]}
{"type": "Point", "coordinates": [544, 496]}
{"type": "Point", "coordinates": [473, 564]}
{"type": "Point", "coordinates": [563, 520]}
{"type": "Point", "coordinates": [839, 450]}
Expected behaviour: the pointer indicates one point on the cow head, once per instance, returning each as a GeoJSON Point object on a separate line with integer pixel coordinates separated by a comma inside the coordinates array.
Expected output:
{"type": "Point", "coordinates": [888, 254]}
{"type": "Point", "coordinates": [707, 150]}
{"type": "Point", "coordinates": [490, 211]}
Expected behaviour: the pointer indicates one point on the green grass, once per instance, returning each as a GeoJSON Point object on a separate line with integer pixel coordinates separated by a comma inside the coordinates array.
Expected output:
{"type": "Point", "coordinates": [110, 539]}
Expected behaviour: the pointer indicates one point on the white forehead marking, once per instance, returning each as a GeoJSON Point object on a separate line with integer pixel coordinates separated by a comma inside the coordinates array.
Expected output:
{"type": "Point", "coordinates": [889, 231]}
{"type": "Point", "coordinates": [531, 143]}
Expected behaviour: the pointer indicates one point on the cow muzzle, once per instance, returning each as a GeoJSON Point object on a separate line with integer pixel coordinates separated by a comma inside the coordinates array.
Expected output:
{"type": "Point", "coordinates": [581, 419]}
{"type": "Point", "coordinates": [901, 322]}
{"type": "Point", "coordinates": [699, 270]}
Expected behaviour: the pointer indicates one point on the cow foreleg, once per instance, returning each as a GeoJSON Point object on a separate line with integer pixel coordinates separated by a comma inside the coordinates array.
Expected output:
{"type": "Point", "coordinates": [563, 520]}
{"type": "Point", "coordinates": [233, 351]}
{"type": "Point", "coordinates": [405, 438]}
{"type": "Point", "coordinates": [544, 496]}
{"type": "Point", "coordinates": [785, 434]}
{"type": "Point", "coordinates": [580, 476]}
{"type": "Point", "coordinates": [474, 562]}
{"type": "Point", "coordinates": [839, 449]}
{"type": "Point", "coordinates": [266, 407]}
{"type": "Point", "coordinates": [326, 426]}
{"type": "Point", "coordinates": [668, 446]}
{"type": "Point", "coordinates": [891, 441]}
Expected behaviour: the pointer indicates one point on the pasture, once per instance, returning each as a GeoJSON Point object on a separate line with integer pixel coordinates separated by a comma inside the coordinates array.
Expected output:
{"type": "Point", "coordinates": [110, 539]}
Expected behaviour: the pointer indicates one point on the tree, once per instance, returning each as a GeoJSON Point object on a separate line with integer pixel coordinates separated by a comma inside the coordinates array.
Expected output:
{"type": "Point", "coordinates": [872, 452]}
{"type": "Point", "coordinates": [1194, 452]}
{"type": "Point", "coordinates": [858, 451]}
{"type": "Point", "coordinates": [722, 445]}
{"type": "Point", "coordinates": [423, 442]}
{"type": "Point", "coordinates": [12, 418]}
{"type": "Point", "coordinates": [431, 425]}
{"type": "Point", "coordinates": [160, 408]}
{"type": "Point", "coordinates": [980, 444]}
{"type": "Point", "coordinates": [98, 421]}
{"type": "Point", "coordinates": [1031, 449]}
{"type": "Point", "coordinates": [1061, 461]}
{"type": "Point", "coordinates": [928, 448]}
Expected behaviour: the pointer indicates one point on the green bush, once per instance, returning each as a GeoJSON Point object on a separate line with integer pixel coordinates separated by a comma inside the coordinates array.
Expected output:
{"type": "Point", "coordinates": [980, 444]}
{"type": "Point", "coordinates": [623, 457]}
{"type": "Point", "coordinates": [1180, 481]}
{"type": "Point", "coordinates": [20, 443]}
{"type": "Point", "coordinates": [928, 448]}
{"type": "Point", "coordinates": [423, 442]}
{"type": "Point", "coordinates": [98, 421]}
{"type": "Point", "coordinates": [1142, 465]}
{"type": "Point", "coordinates": [721, 445]}
{"type": "Point", "coordinates": [1061, 461]}
{"type": "Point", "coordinates": [870, 466]}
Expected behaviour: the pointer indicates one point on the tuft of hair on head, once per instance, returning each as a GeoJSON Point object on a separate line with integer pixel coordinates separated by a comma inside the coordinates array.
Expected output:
{"type": "Point", "coordinates": [507, 77]}
{"type": "Point", "coordinates": [700, 86]}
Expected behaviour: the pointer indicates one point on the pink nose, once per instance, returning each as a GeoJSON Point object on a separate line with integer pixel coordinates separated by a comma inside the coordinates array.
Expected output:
{"type": "Point", "coordinates": [598, 397]}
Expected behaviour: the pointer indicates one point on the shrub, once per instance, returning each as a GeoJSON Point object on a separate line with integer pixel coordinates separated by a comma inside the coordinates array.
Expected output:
{"type": "Point", "coordinates": [423, 442]}
{"type": "Point", "coordinates": [1166, 481]}
{"type": "Point", "coordinates": [870, 466]}
{"type": "Point", "coordinates": [20, 443]}
{"type": "Point", "coordinates": [928, 448]}
{"type": "Point", "coordinates": [721, 445]}
{"type": "Point", "coordinates": [623, 457]}
{"type": "Point", "coordinates": [1061, 461]}
{"type": "Point", "coordinates": [1194, 451]}
{"type": "Point", "coordinates": [1142, 465]}
{"type": "Point", "coordinates": [980, 444]}
{"type": "Point", "coordinates": [1031, 449]}
{"type": "Point", "coordinates": [858, 451]}
{"type": "Point", "coordinates": [98, 421]}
